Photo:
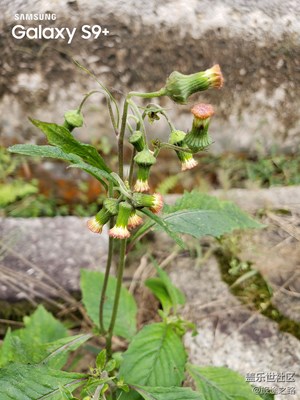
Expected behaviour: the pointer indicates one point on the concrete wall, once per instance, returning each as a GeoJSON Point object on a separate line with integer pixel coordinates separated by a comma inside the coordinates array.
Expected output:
{"type": "Point", "coordinates": [257, 44]}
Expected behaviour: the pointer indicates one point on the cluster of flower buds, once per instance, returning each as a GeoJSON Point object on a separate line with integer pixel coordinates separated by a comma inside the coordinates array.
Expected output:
{"type": "Point", "coordinates": [198, 138]}
{"type": "Point", "coordinates": [73, 119]}
{"type": "Point", "coordinates": [126, 212]}
{"type": "Point", "coordinates": [180, 87]}
{"type": "Point", "coordinates": [110, 208]}
{"type": "Point", "coordinates": [144, 160]}
{"type": "Point", "coordinates": [187, 160]}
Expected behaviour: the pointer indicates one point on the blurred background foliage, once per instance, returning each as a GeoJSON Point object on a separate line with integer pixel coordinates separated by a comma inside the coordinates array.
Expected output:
{"type": "Point", "coordinates": [30, 188]}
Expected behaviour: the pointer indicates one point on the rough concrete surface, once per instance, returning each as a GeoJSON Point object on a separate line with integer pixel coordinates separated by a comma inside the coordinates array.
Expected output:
{"type": "Point", "coordinates": [256, 43]}
{"type": "Point", "coordinates": [57, 247]}
{"type": "Point", "coordinates": [275, 253]}
{"type": "Point", "coordinates": [229, 335]}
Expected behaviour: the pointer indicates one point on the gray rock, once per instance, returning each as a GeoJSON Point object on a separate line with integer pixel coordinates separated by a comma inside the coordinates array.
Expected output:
{"type": "Point", "coordinates": [229, 334]}
{"type": "Point", "coordinates": [263, 199]}
{"type": "Point", "coordinates": [47, 251]}
{"type": "Point", "coordinates": [256, 43]}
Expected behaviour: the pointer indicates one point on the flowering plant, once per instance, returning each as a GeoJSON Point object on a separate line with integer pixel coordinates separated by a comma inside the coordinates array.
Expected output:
{"type": "Point", "coordinates": [154, 365]}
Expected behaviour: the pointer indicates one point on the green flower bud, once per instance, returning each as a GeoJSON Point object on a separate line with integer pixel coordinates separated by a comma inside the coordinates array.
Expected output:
{"type": "Point", "coordinates": [137, 140]}
{"type": "Point", "coordinates": [153, 201]}
{"type": "Point", "coordinates": [198, 138]}
{"type": "Point", "coordinates": [187, 160]}
{"type": "Point", "coordinates": [177, 137]}
{"type": "Point", "coordinates": [120, 230]}
{"type": "Point", "coordinates": [73, 119]}
{"type": "Point", "coordinates": [144, 160]}
{"type": "Point", "coordinates": [180, 87]}
{"type": "Point", "coordinates": [109, 209]}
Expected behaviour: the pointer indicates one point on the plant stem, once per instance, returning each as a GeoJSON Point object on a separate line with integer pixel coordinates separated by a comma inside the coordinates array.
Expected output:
{"type": "Point", "coordinates": [107, 269]}
{"type": "Point", "coordinates": [111, 114]}
{"type": "Point", "coordinates": [130, 177]}
{"type": "Point", "coordinates": [150, 95]}
{"type": "Point", "coordinates": [171, 126]}
{"type": "Point", "coordinates": [121, 138]}
{"type": "Point", "coordinates": [123, 242]}
{"type": "Point", "coordinates": [105, 282]}
{"type": "Point", "coordinates": [141, 121]}
{"type": "Point", "coordinates": [117, 295]}
{"type": "Point", "coordinates": [139, 116]}
{"type": "Point", "coordinates": [178, 148]}
{"type": "Point", "coordinates": [86, 97]}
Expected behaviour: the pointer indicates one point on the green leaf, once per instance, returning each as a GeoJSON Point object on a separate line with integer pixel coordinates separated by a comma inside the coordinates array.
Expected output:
{"type": "Point", "coordinates": [101, 360]}
{"type": "Point", "coordinates": [10, 192]}
{"type": "Point", "coordinates": [167, 393]}
{"type": "Point", "coordinates": [111, 365]}
{"type": "Point", "coordinates": [43, 151]}
{"type": "Point", "coordinates": [216, 383]}
{"type": "Point", "coordinates": [155, 357]}
{"type": "Point", "coordinates": [91, 283]}
{"type": "Point", "coordinates": [28, 382]}
{"type": "Point", "coordinates": [29, 344]}
{"type": "Point", "coordinates": [96, 172]}
{"type": "Point", "coordinates": [200, 223]}
{"type": "Point", "coordinates": [42, 327]}
{"type": "Point", "coordinates": [163, 288]}
{"type": "Point", "coordinates": [264, 396]}
{"type": "Point", "coordinates": [165, 226]}
{"type": "Point", "coordinates": [59, 136]}
{"type": "Point", "coordinates": [55, 152]}
{"type": "Point", "coordinates": [56, 353]}
{"type": "Point", "coordinates": [6, 349]}
{"type": "Point", "coordinates": [175, 294]}
{"type": "Point", "coordinates": [199, 214]}
{"type": "Point", "coordinates": [159, 290]}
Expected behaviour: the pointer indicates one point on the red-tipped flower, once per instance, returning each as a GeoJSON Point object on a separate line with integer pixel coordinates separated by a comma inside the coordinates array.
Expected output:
{"type": "Point", "coordinates": [134, 220]}
{"type": "Point", "coordinates": [202, 111]}
{"type": "Point", "coordinates": [180, 87]}
{"type": "Point", "coordinates": [198, 138]}
{"type": "Point", "coordinates": [154, 201]}
{"type": "Point", "coordinates": [120, 230]}
{"type": "Point", "coordinates": [187, 161]}
{"type": "Point", "coordinates": [94, 225]}
{"type": "Point", "coordinates": [142, 185]}
{"type": "Point", "coordinates": [109, 209]}
{"type": "Point", "coordinates": [158, 203]}
{"type": "Point", "coordinates": [215, 76]}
